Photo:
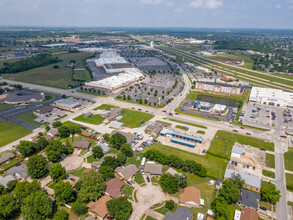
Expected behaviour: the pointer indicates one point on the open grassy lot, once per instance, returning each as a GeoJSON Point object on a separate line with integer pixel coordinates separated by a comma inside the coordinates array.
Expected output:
{"type": "Point", "coordinates": [182, 127]}
{"type": "Point", "coordinates": [270, 160]}
{"type": "Point", "coordinates": [214, 165]}
{"type": "Point", "coordinates": [289, 180]}
{"type": "Point", "coordinates": [94, 119]}
{"type": "Point", "coordinates": [134, 119]}
{"type": "Point", "coordinates": [135, 159]}
{"type": "Point", "coordinates": [78, 172]}
{"type": "Point", "coordinates": [60, 78]}
{"type": "Point", "coordinates": [149, 218]}
{"type": "Point", "coordinates": [188, 123]}
{"type": "Point", "coordinates": [105, 107]}
{"type": "Point", "coordinates": [221, 145]}
{"type": "Point", "coordinates": [288, 160]}
{"type": "Point", "coordinates": [10, 131]}
{"type": "Point", "coordinates": [29, 118]}
{"type": "Point", "coordinates": [5, 106]}
{"type": "Point", "coordinates": [268, 173]}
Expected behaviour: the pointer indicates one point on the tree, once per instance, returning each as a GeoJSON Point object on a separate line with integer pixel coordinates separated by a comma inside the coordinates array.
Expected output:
{"type": "Point", "coordinates": [47, 128]}
{"type": "Point", "coordinates": [64, 192]}
{"type": "Point", "coordinates": [67, 148]}
{"type": "Point", "coordinates": [61, 214]}
{"type": "Point", "coordinates": [220, 208]}
{"type": "Point", "coordinates": [110, 162]}
{"type": "Point", "coordinates": [236, 178]}
{"type": "Point", "coordinates": [2, 190]}
{"type": "Point", "coordinates": [79, 207]}
{"type": "Point", "coordinates": [8, 206]}
{"type": "Point", "coordinates": [24, 189]}
{"type": "Point", "coordinates": [121, 159]}
{"type": "Point", "coordinates": [11, 185]}
{"type": "Point", "coordinates": [106, 137]}
{"type": "Point", "coordinates": [117, 140]}
{"type": "Point", "coordinates": [37, 166]}
{"type": "Point", "coordinates": [63, 131]}
{"type": "Point", "coordinates": [26, 148]}
{"type": "Point", "coordinates": [92, 186]}
{"type": "Point", "coordinates": [230, 192]}
{"type": "Point", "coordinates": [56, 124]}
{"type": "Point", "coordinates": [38, 205]}
{"type": "Point", "coordinates": [270, 193]}
{"type": "Point", "coordinates": [54, 150]}
{"type": "Point", "coordinates": [181, 179]}
{"type": "Point", "coordinates": [97, 152]}
{"type": "Point", "coordinates": [169, 184]}
{"type": "Point", "coordinates": [169, 204]}
{"type": "Point", "coordinates": [126, 149]}
{"type": "Point", "coordinates": [42, 143]}
{"type": "Point", "coordinates": [128, 97]}
{"type": "Point", "coordinates": [106, 172]}
{"type": "Point", "coordinates": [57, 172]}
{"type": "Point", "coordinates": [120, 208]}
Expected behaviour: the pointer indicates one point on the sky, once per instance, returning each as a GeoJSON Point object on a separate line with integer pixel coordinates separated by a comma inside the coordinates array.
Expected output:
{"type": "Point", "coordinates": [276, 14]}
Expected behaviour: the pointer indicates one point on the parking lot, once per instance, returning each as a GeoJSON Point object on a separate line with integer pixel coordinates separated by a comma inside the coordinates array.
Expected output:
{"type": "Point", "coordinates": [155, 89]}
{"type": "Point", "coordinates": [150, 64]}
{"type": "Point", "coordinates": [266, 116]}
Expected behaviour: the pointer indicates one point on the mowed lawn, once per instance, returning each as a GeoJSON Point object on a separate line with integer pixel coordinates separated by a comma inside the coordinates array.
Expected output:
{"type": "Point", "coordinates": [5, 106]}
{"type": "Point", "coordinates": [94, 119]}
{"type": "Point", "coordinates": [224, 140]}
{"type": "Point", "coordinates": [29, 118]}
{"type": "Point", "coordinates": [288, 157]}
{"type": "Point", "coordinates": [270, 160]}
{"type": "Point", "coordinates": [215, 166]}
{"type": "Point", "coordinates": [134, 119]}
{"type": "Point", "coordinates": [10, 131]}
{"type": "Point", "coordinates": [48, 76]}
{"type": "Point", "coordinates": [105, 107]}
{"type": "Point", "coordinates": [289, 179]}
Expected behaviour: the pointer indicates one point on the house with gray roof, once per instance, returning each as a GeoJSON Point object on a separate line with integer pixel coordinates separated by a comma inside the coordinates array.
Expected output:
{"type": "Point", "coordinates": [251, 182]}
{"type": "Point", "coordinates": [6, 157]}
{"type": "Point", "coordinates": [249, 199]}
{"type": "Point", "coordinates": [4, 180]}
{"type": "Point", "coordinates": [127, 172]}
{"type": "Point", "coordinates": [181, 213]}
{"type": "Point", "coordinates": [153, 169]}
{"type": "Point", "coordinates": [19, 171]}
{"type": "Point", "coordinates": [236, 151]}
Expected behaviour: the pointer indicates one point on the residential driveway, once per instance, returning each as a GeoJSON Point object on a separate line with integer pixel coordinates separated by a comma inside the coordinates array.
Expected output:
{"type": "Point", "coordinates": [147, 196]}
{"type": "Point", "coordinates": [74, 161]}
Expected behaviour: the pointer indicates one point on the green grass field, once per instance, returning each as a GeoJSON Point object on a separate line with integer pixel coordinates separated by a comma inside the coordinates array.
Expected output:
{"type": "Point", "coordinates": [78, 172]}
{"type": "Point", "coordinates": [29, 118]}
{"type": "Point", "coordinates": [270, 160]}
{"type": "Point", "coordinates": [268, 173]}
{"type": "Point", "coordinates": [139, 178]}
{"type": "Point", "coordinates": [223, 142]}
{"type": "Point", "coordinates": [10, 131]}
{"type": "Point", "coordinates": [105, 107]}
{"type": "Point", "coordinates": [231, 209]}
{"type": "Point", "coordinates": [289, 179]}
{"type": "Point", "coordinates": [150, 218]}
{"type": "Point", "coordinates": [164, 123]}
{"type": "Point", "coordinates": [48, 76]}
{"type": "Point", "coordinates": [94, 119]}
{"type": "Point", "coordinates": [214, 165]}
{"type": "Point", "coordinates": [188, 123]}
{"type": "Point", "coordinates": [127, 191]}
{"type": "Point", "coordinates": [200, 132]}
{"type": "Point", "coordinates": [182, 127]}
{"type": "Point", "coordinates": [91, 159]}
{"type": "Point", "coordinates": [163, 210]}
{"type": "Point", "coordinates": [288, 160]}
{"type": "Point", "coordinates": [5, 106]}
{"type": "Point", "coordinates": [134, 119]}
{"type": "Point", "coordinates": [78, 138]}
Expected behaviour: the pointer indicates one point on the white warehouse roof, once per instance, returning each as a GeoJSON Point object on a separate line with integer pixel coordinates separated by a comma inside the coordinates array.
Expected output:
{"type": "Point", "coordinates": [109, 57]}
{"type": "Point", "coordinates": [254, 181]}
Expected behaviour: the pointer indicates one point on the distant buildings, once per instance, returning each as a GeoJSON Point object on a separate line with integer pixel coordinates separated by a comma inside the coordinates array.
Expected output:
{"type": "Point", "coordinates": [67, 104]}
{"type": "Point", "coordinates": [274, 97]}
{"type": "Point", "coordinates": [217, 88]}
{"type": "Point", "coordinates": [18, 97]}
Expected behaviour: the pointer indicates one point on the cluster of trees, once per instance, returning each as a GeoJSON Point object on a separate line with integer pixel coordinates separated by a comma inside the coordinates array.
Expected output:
{"type": "Point", "coordinates": [270, 193]}
{"type": "Point", "coordinates": [26, 148]}
{"type": "Point", "coordinates": [119, 208]}
{"type": "Point", "coordinates": [55, 148]}
{"type": "Point", "coordinates": [65, 131]}
{"type": "Point", "coordinates": [93, 90]}
{"type": "Point", "coordinates": [107, 168]}
{"type": "Point", "coordinates": [176, 162]}
{"type": "Point", "coordinates": [29, 63]}
{"type": "Point", "coordinates": [171, 184]}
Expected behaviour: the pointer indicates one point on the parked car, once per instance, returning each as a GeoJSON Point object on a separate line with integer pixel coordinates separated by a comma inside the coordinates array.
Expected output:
{"type": "Point", "coordinates": [176, 113]}
{"type": "Point", "coordinates": [248, 133]}
{"type": "Point", "coordinates": [170, 113]}
{"type": "Point", "coordinates": [133, 108]}
{"type": "Point", "coordinates": [242, 127]}
{"type": "Point", "coordinates": [283, 136]}
{"type": "Point", "coordinates": [164, 111]}
{"type": "Point", "coordinates": [235, 130]}
{"type": "Point", "coordinates": [132, 182]}
{"type": "Point", "coordinates": [148, 179]}
{"type": "Point", "coordinates": [139, 109]}
{"type": "Point", "coordinates": [263, 208]}
{"type": "Point", "coordinates": [129, 183]}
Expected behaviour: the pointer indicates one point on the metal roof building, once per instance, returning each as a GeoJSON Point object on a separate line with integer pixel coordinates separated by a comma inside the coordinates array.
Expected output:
{"type": "Point", "coordinates": [183, 142]}
{"type": "Point", "coordinates": [250, 180]}
{"type": "Point", "coordinates": [236, 151]}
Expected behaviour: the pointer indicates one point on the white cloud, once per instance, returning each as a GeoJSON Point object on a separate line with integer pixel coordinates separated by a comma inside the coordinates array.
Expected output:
{"type": "Point", "coordinates": [151, 1]}
{"type": "Point", "coordinates": [196, 4]}
{"type": "Point", "coordinates": [278, 6]}
{"type": "Point", "coordinates": [170, 4]}
{"type": "Point", "coordinates": [212, 4]}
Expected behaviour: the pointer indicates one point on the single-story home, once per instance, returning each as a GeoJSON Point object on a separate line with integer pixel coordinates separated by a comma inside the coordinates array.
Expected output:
{"type": "Point", "coordinates": [248, 214]}
{"type": "Point", "coordinates": [191, 197]}
{"type": "Point", "coordinates": [19, 171]}
{"type": "Point", "coordinates": [4, 180]}
{"type": "Point", "coordinates": [181, 213]}
{"type": "Point", "coordinates": [130, 137]}
{"type": "Point", "coordinates": [249, 199]}
{"type": "Point", "coordinates": [113, 188]}
{"type": "Point", "coordinates": [153, 169]}
{"type": "Point", "coordinates": [45, 110]}
{"type": "Point", "coordinates": [6, 157]}
{"type": "Point", "coordinates": [99, 209]}
{"type": "Point", "coordinates": [82, 144]}
{"type": "Point", "coordinates": [127, 172]}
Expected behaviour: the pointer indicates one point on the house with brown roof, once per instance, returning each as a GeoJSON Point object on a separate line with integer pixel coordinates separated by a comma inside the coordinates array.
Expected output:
{"type": "Point", "coordinates": [6, 157]}
{"type": "Point", "coordinates": [82, 144]}
{"type": "Point", "coordinates": [248, 214]}
{"type": "Point", "coordinates": [153, 169]}
{"type": "Point", "coordinates": [53, 132]}
{"type": "Point", "coordinates": [99, 209]}
{"type": "Point", "coordinates": [191, 197]}
{"type": "Point", "coordinates": [113, 114]}
{"type": "Point", "coordinates": [127, 172]}
{"type": "Point", "coordinates": [45, 110]}
{"type": "Point", "coordinates": [48, 137]}
{"type": "Point", "coordinates": [129, 137]}
{"type": "Point", "coordinates": [113, 188]}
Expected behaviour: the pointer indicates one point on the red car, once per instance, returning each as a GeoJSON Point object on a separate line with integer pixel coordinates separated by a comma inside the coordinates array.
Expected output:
{"type": "Point", "coordinates": [170, 113]}
{"type": "Point", "coordinates": [283, 136]}
{"type": "Point", "coordinates": [242, 127]}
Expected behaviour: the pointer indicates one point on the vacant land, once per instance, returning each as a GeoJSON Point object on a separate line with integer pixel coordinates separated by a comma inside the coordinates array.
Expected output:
{"type": "Point", "coordinates": [29, 118]}
{"type": "Point", "coordinates": [188, 123]}
{"type": "Point", "coordinates": [94, 119]}
{"type": "Point", "coordinates": [10, 131]}
{"type": "Point", "coordinates": [214, 165]}
{"type": "Point", "coordinates": [223, 142]}
{"type": "Point", "coordinates": [270, 160]}
{"type": "Point", "coordinates": [61, 77]}
{"type": "Point", "coordinates": [288, 160]}
{"type": "Point", "coordinates": [268, 173]}
{"type": "Point", "coordinates": [134, 119]}
{"type": "Point", "coordinates": [105, 107]}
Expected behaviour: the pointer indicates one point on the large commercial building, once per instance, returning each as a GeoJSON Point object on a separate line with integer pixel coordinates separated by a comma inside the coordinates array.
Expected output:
{"type": "Point", "coordinates": [275, 97]}
{"type": "Point", "coordinates": [217, 88]}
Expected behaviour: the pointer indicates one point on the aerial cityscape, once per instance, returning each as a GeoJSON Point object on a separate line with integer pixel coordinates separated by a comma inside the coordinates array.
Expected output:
{"type": "Point", "coordinates": [146, 110]}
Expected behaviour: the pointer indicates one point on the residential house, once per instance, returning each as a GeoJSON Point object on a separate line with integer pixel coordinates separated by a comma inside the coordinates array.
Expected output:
{"type": "Point", "coordinates": [153, 169]}
{"type": "Point", "coordinates": [155, 128]}
{"type": "Point", "coordinates": [191, 197]}
{"type": "Point", "coordinates": [127, 172]}
{"type": "Point", "coordinates": [113, 188]}
{"type": "Point", "coordinates": [181, 213]}
{"type": "Point", "coordinates": [130, 137]}
{"type": "Point", "coordinates": [113, 114]}
{"type": "Point", "coordinates": [45, 110]}
{"type": "Point", "coordinates": [6, 157]}
{"type": "Point", "coordinates": [4, 180]}
{"type": "Point", "coordinates": [53, 132]}
{"type": "Point", "coordinates": [82, 144]}
{"type": "Point", "coordinates": [248, 214]}
{"type": "Point", "coordinates": [99, 209]}
{"type": "Point", "coordinates": [249, 199]}
{"type": "Point", "coordinates": [19, 171]}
